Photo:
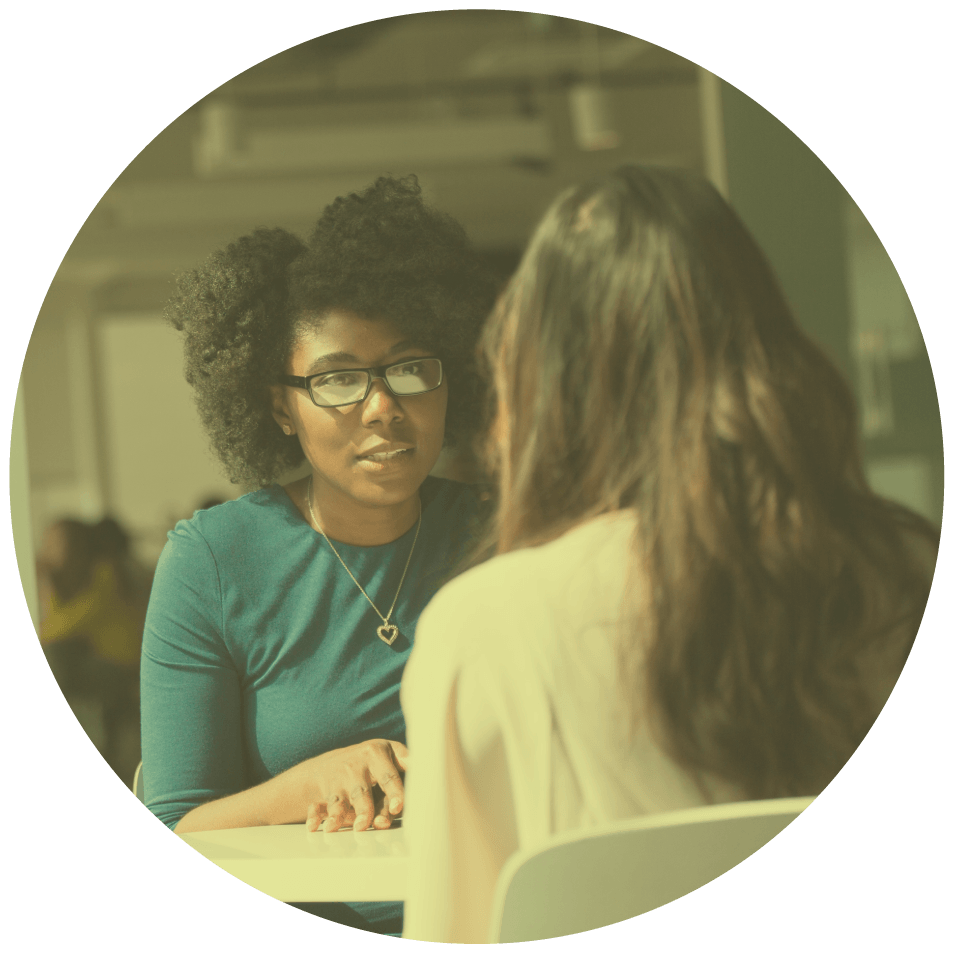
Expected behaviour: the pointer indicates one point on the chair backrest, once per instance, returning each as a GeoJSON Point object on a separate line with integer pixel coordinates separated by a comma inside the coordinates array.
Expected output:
{"type": "Point", "coordinates": [582, 880]}
{"type": "Point", "coordinates": [138, 785]}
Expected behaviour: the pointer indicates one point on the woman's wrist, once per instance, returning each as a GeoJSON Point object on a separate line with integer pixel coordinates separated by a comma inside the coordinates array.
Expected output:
{"type": "Point", "coordinates": [286, 800]}
{"type": "Point", "coordinates": [279, 800]}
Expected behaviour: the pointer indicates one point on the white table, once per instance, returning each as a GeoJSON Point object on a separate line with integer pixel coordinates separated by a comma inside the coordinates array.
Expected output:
{"type": "Point", "coordinates": [288, 863]}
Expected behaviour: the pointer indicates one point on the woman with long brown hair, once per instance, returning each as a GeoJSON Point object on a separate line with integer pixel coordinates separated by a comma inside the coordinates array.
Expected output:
{"type": "Point", "coordinates": [696, 597]}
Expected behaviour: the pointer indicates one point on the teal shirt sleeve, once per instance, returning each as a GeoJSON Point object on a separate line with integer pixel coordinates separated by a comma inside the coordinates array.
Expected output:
{"type": "Point", "coordinates": [190, 687]}
{"type": "Point", "coordinates": [259, 651]}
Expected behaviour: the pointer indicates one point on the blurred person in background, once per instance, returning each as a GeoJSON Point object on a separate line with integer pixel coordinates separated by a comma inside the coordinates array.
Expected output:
{"type": "Point", "coordinates": [280, 622]}
{"type": "Point", "coordinates": [93, 597]}
{"type": "Point", "coordinates": [696, 597]}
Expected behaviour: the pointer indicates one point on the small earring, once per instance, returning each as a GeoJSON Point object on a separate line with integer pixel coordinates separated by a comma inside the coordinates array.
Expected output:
{"type": "Point", "coordinates": [286, 429]}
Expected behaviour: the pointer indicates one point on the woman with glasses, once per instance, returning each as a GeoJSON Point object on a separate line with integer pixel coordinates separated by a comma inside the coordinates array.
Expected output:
{"type": "Point", "coordinates": [696, 598]}
{"type": "Point", "coordinates": [280, 622]}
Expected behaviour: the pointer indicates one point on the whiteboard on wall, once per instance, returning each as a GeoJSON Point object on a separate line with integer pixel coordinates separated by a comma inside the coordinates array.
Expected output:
{"type": "Point", "coordinates": [158, 464]}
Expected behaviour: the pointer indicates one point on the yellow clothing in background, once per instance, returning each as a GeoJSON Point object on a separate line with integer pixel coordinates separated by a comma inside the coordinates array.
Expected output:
{"type": "Point", "coordinates": [113, 627]}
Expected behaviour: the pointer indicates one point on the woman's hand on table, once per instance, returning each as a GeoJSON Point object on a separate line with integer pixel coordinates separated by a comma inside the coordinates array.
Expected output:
{"type": "Point", "coordinates": [361, 785]}
{"type": "Point", "coordinates": [336, 788]}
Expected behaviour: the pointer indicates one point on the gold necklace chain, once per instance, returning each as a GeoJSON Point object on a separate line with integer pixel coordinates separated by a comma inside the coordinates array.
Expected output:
{"type": "Point", "coordinates": [386, 632]}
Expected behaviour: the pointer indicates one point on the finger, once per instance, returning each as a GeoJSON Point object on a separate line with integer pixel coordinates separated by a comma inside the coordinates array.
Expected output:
{"type": "Point", "coordinates": [316, 814]}
{"type": "Point", "coordinates": [332, 824]}
{"type": "Point", "coordinates": [392, 786]}
{"type": "Point", "coordinates": [386, 773]}
{"type": "Point", "coordinates": [362, 802]}
{"type": "Point", "coordinates": [381, 810]}
{"type": "Point", "coordinates": [382, 821]}
{"type": "Point", "coordinates": [339, 823]}
{"type": "Point", "coordinates": [401, 754]}
{"type": "Point", "coordinates": [338, 810]}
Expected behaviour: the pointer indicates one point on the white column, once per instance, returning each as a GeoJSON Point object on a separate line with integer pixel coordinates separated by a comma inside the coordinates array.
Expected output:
{"type": "Point", "coordinates": [713, 130]}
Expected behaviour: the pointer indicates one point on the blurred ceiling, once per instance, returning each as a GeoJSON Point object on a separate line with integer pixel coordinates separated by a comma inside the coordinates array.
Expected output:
{"type": "Point", "coordinates": [477, 103]}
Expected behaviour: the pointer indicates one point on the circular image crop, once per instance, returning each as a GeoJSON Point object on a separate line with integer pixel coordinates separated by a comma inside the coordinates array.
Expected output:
{"type": "Point", "coordinates": [476, 477]}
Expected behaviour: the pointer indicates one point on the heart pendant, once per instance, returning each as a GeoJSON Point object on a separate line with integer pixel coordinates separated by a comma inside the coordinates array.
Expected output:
{"type": "Point", "coordinates": [387, 633]}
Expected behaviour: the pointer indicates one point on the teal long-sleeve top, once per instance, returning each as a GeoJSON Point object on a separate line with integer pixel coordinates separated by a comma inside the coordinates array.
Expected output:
{"type": "Point", "coordinates": [259, 651]}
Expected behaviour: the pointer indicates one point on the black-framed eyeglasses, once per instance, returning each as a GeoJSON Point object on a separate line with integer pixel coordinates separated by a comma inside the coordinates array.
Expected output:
{"type": "Point", "coordinates": [352, 385]}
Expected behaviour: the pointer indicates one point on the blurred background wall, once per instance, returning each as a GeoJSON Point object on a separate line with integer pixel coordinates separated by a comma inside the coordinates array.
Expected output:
{"type": "Point", "coordinates": [495, 112]}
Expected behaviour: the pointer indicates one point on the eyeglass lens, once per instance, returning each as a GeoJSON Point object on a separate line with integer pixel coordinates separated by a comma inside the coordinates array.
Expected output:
{"type": "Point", "coordinates": [346, 387]}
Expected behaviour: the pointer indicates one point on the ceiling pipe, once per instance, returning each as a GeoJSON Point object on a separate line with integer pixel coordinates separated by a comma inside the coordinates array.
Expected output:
{"type": "Point", "coordinates": [320, 95]}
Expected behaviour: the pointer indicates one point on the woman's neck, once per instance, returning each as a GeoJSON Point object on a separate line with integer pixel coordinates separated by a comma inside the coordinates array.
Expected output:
{"type": "Point", "coordinates": [348, 521]}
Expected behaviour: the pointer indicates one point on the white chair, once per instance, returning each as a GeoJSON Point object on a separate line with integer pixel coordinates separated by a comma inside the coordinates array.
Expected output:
{"type": "Point", "coordinates": [585, 879]}
{"type": "Point", "coordinates": [138, 784]}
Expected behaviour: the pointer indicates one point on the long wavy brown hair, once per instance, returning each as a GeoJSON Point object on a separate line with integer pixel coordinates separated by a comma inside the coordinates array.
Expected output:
{"type": "Point", "coordinates": [643, 356]}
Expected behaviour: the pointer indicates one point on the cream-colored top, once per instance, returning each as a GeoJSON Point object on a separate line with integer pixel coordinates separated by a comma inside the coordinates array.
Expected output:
{"type": "Point", "coordinates": [519, 725]}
